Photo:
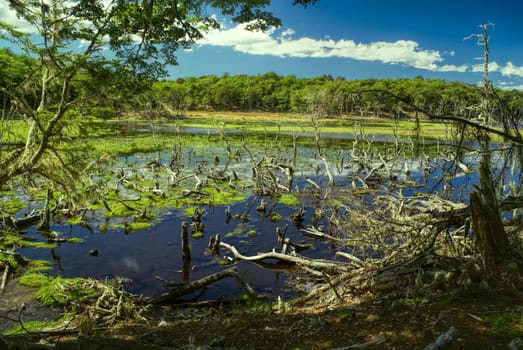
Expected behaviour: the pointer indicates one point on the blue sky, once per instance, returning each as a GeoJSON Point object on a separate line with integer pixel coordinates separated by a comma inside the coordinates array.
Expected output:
{"type": "Point", "coordinates": [360, 39]}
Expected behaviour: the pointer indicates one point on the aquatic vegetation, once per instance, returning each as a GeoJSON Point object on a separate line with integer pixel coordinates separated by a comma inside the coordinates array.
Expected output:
{"type": "Point", "coordinates": [289, 199]}
{"type": "Point", "coordinates": [34, 266]}
{"type": "Point", "coordinates": [10, 203]}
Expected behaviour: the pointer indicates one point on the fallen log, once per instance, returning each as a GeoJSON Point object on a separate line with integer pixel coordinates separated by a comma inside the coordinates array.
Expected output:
{"type": "Point", "coordinates": [187, 288]}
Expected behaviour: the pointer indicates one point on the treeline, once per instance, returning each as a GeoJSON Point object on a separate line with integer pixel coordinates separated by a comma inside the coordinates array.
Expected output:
{"type": "Point", "coordinates": [323, 96]}
{"type": "Point", "coordinates": [104, 92]}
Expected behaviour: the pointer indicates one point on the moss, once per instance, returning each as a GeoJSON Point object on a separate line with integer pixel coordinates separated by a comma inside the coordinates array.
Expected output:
{"type": "Point", "coordinates": [76, 220]}
{"type": "Point", "coordinates": [62, 291]}
{"type": "Point", "coordinates": [132, 226]}
{"type": "Point", "coordinates": [275, 217]}
{"type": "Point", "coordinates": [237, 232]}
{"type": "Point", "coordinates": [197, 234]}
{"type": "Point", "coordinates": [36, 326]}
{"type": "Point", "coordinates": [34, 266]}
{"type": "Point", "coordinates": [289, 199]}
{"type": "Point", "coordinates": [11, 205]}
{"type": "Point", "coordinates": [34, 279]}
{"type": "Point", "coordinates": [57, 291]}
{"type": "Point", "coordinates": [189, 211]}
{"type": "Point", "coordinates": [224, 195]}
{"type": "Point", "coordinates": [19, 241]}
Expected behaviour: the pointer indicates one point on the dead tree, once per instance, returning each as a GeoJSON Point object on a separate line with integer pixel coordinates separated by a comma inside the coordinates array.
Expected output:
{"type": "Point", "coordinates": [491, 240]}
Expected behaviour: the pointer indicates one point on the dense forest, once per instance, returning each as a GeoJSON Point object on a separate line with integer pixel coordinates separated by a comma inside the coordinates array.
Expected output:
{"type": "Point", "coordinates": [321, 96]}
{"type": "Point", "coordinates": [108, 93]}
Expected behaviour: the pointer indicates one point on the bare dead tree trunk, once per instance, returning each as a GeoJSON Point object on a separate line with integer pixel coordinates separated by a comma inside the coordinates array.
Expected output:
{"type": "Point", "coordinates": [491, 240]}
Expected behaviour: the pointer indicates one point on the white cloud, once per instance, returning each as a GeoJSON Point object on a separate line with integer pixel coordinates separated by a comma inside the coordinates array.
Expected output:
{"type": "Point", "coordinates": [509, 85]}
{"type": "Point", "coordinates": [9, 16]}
{"type": "Point", "coordinates": [405, 52]}
{"type": "Point", "coordinates": [511, 70]}
{"type": "Point", "coordinates": [508, 70]}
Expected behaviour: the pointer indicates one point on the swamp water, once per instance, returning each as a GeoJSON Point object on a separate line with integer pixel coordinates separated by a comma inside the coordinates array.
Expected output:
{"type": "Point", "coordinates": [149, 257]}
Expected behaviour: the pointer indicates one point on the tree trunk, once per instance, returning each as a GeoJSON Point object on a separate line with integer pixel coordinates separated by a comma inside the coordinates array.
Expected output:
{"type": "Point", "coordinates": [491, 239]}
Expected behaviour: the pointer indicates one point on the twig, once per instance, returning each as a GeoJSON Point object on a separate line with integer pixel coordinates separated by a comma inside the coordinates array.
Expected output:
{"type": "Point", "coordinates": [351, 257]}
{"type": "Point", "coordinates": [314, 232]}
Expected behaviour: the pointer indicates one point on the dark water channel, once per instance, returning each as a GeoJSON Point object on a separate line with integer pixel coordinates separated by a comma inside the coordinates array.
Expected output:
{"type": "Point", "coordinates": [147, 256]}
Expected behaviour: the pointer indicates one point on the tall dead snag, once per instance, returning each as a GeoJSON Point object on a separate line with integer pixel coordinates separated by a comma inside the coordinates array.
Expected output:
{"type": "Point", "coordinates": [491, 240]}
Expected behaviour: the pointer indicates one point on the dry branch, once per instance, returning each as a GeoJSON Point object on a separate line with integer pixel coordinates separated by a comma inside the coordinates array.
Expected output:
{"type": "Point", "coordinates": [297, 260]}
{"type": "Point", "coordinates": [5, 276]}
{"type": "Point", "coordinates": [314, 232]}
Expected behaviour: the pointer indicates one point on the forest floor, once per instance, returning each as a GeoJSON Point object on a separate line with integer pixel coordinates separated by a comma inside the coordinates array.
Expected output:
{"type": "Point", "coordinates": [481, 320]}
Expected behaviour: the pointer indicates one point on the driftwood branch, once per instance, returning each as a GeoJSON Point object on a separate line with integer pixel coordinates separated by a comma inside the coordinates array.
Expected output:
{"type": "Point", "coordinates": [297, 260]}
